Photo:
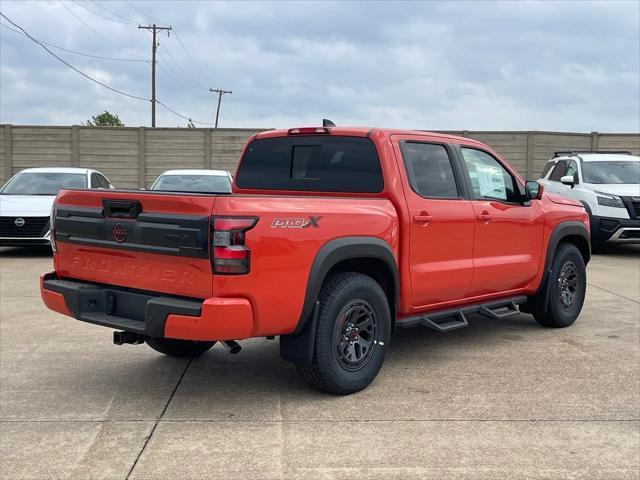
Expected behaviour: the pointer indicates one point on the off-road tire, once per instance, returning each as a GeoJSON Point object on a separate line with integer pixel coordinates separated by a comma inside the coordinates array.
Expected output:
{"type": "Point", "coordinates": [327, 371]}
{"type": "Point", "coordinates": [179, 348]}
{"type": "Point", "coordinates": [558, 313]}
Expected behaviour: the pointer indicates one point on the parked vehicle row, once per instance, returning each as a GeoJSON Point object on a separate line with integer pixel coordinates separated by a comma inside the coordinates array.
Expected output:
{"type": "Point", "coordinates": [332, 239]}
{"type": "Point", "coordinates": [26, 199]}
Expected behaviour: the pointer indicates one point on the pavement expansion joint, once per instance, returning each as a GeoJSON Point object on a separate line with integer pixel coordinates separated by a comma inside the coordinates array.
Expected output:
{"type": "Point", "coordinates": [155, 425]}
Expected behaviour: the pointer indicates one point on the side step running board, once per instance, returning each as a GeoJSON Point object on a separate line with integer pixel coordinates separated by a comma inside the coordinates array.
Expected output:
{"type": "Point", "coordinates": [444, 322]}
{"type": "Point", "coordinates": [454, 318]}
{"type": "Point", "coordinates": [500, 312]}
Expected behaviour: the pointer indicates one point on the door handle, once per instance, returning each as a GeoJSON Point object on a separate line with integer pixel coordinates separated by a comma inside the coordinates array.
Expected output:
{"type": "Point", "coordinates": [422, 217]}
{"type": "Point", "coordinates": [484, 216]}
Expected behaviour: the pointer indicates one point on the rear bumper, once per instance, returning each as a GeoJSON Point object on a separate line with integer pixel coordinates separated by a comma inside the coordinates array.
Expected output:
{"type": "Point", "coordinates": [150, 314]}
{"type": "Point", "coordinates": [615, 230]}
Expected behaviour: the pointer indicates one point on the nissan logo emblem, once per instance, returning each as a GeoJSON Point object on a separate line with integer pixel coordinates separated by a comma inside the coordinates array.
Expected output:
{"type": "Point", "coordinates": [120, 232]}
{"type": "Point", "coordinates": [19, 222]}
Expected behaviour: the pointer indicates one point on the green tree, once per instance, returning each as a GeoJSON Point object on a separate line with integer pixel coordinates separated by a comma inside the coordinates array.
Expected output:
{"type": "Point", "coordinates": [105, 119]}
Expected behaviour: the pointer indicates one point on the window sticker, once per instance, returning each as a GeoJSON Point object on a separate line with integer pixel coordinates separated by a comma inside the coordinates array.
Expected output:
{"type": "Point", "coordinates": [491, 181]}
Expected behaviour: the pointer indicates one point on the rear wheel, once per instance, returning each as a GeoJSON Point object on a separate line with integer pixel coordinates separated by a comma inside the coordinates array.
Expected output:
{"type": "Point", "coordinates": [179, 348]}
{"type": "Point", "coordinates": [567, 283]}
{"type": "Point", "coordinates": [354, 328]}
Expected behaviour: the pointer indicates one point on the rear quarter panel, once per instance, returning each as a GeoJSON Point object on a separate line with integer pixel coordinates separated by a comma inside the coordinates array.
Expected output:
{"type": "Point", "coordinates": [282, 253]}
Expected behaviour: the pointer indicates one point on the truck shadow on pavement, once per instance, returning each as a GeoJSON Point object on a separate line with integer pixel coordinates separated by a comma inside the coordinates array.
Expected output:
{"type": "Point", "coordinates": [219, 384]}
{"type": "Point", "coordinates": [620, 250]}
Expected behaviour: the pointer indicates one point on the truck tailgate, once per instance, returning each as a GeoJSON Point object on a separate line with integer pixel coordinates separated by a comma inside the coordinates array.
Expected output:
{"type": "Point", "coordinates": [143, 240]}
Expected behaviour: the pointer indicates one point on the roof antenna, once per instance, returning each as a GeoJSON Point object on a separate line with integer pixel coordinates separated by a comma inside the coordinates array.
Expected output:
{"type": "Point", "coordinates": [327, 123]}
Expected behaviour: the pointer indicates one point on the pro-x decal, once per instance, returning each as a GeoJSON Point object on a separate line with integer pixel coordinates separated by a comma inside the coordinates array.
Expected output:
{"type": "Point", "coordinates": [309, 222]}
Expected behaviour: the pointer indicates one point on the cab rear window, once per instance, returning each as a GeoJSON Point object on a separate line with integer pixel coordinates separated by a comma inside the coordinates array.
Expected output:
{"type": "Point", "coordinates": [311, 163]}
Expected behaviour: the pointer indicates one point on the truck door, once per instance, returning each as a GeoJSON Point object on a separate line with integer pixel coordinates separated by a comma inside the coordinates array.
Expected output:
{"type": "Point", "coordinates": [441, 221]}
{"type": "Point", "coordinates": [508, 233]}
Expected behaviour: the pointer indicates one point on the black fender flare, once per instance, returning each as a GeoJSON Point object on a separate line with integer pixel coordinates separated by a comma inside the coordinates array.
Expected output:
{"type": "Point", "coordinates": [570, 228]}
{"type": "Point", "coordinates": [298, 346]}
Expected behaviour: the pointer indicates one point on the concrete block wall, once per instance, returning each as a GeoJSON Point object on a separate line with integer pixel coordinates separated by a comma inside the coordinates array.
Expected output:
{"type": "Point", "coordinates": [132, 157]}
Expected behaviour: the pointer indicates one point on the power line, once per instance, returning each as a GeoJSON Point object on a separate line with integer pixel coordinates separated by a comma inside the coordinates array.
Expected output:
{"type": "Point", "coordinates": [96, 33]}
{"type": "Point", "coordinates": [26, 34]}
{"type": "Point", "coordinates": [165, 65]}
{"type": "Point", "coordinates": [179, 41]}
{"type": "Point", "coordinates": [69, 65]}
{"type": "Point", "coordinates": [168, 69]}
{"type": "Point", "coordinates": [100, 14]}
{"type": "Point", "coordinates": [188, 81]}
{"type": "Point", "coordinates": [186, 75]}
{"type": "Point", "coordinates": [75, 51]}
{"type": "Point", "coordinates": [192, 60]}
{"type": "Point", "coordinates": [182, 116]}
{"type": "Point", "coordinates": [115, 14]}
{"type": "Point", "coordinates": [142, 13]}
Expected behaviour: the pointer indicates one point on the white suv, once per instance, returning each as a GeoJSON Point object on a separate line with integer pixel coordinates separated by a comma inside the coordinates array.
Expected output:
{"type": "Point", "coordinates": [607, 184]}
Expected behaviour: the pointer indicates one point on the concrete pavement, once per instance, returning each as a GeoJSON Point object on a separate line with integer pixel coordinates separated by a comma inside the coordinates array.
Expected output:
{"type": "Point", "coordinates": [500, 399]}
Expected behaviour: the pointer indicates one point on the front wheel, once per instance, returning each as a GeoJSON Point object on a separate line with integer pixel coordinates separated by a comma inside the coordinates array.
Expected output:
{"type": "Point", "coordinates": [352, 337]}
{"type": "Point", "coordinates": [567, 284]}
{"type": "Point", "coordinates": [179, 348]}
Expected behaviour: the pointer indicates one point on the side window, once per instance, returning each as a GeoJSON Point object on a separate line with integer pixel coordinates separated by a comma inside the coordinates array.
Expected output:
{"type": "Point", "coordinates": [95, 183]}
{"type": "Point", "coordinates": [489, 178]}
{"type": "Point", "coordinates": [98, 181]}
{"type": "Point", "coordinates": [572, 169]}
{"type": "Point", "coordinates": [559, 171]}
{"type": "Point", "coordinates": [104, 183]}
{"type": "Point", "coordinates": [547, 168]}
{"type": "Point", "coordinates": [429, 170]}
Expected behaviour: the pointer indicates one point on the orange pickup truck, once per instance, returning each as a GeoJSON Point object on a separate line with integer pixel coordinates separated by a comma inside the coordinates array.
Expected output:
{"type": "Point", "coordinates": [332, 238]}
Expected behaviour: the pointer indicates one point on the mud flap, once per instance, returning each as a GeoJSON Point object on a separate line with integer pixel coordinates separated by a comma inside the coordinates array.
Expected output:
{"type": "Point", "coordinates": [299, 348]}
{"type": "Point", "coordinates": [538, 302]}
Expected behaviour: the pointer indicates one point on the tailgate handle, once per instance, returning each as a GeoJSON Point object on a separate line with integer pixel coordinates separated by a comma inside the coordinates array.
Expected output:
{"type": "Point", "coordinates": [121, 208]}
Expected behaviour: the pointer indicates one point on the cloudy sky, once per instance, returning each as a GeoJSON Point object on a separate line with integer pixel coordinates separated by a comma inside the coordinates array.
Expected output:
{"type": "Point", "coordinates": [570, 66]}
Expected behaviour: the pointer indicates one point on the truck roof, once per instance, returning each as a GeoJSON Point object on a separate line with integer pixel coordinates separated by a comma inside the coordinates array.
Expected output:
{"type": "Point", "coordinates": [366, 131]}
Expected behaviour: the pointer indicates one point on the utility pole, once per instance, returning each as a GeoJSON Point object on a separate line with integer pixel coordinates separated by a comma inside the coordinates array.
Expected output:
{"type": "Point", "coordinates": [154, 46]}
{"type": "Point", "coordinates": [220, 92]}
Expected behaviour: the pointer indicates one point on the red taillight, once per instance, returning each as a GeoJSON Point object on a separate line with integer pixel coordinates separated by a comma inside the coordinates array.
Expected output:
{"type": "Point", "coordinates": [308, 131]}
{"type": "Point", "coordinates": [229, 254]}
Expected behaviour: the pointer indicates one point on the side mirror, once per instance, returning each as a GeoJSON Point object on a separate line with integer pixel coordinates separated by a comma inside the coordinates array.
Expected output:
{"type": "Point", "coordinates": [568, 180]}
{"type": "Point", "coordinates": [533, 190]}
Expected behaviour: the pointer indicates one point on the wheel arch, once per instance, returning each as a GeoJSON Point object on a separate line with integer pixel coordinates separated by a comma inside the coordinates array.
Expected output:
{"type": "Point", "coordinates": [573, 232]}
{"type": "Point", "coordinates": [569, 232]}
{"type": "Point", "coordinates": [367, 255]}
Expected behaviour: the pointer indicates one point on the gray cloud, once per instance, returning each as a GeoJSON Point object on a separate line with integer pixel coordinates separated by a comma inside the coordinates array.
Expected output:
{"type": "Point", "coordinates": [571, 66]}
